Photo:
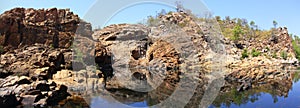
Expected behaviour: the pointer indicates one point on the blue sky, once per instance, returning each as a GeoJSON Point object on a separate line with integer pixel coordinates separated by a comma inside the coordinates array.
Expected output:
{"type": "Point", "coordinates": [263, 12]}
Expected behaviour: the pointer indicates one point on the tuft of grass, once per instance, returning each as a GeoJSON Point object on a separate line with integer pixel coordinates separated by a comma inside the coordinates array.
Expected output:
{"type": "Point", "coordinates": [255, 53]}
{"type": "Point", "coordinates": [283, 55]}
{"type": "Point", "coordinates": [245, 54]}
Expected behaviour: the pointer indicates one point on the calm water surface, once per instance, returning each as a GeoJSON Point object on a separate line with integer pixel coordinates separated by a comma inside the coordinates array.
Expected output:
{"type": "Point", "coordinates": [263, 97]}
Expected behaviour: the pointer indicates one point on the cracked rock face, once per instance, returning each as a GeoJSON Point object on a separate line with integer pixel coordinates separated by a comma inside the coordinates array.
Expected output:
{"type": "Point", "coordinates": [52, 27]}
{"type": "Point", "coordinates": [38, 60]}
{"type": "Point", "coordinates": [133, 53]}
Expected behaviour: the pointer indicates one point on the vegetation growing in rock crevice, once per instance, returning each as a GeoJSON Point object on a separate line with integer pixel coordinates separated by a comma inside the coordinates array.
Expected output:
{"type": "Point", "coordinates": [245, 54]}
{"type": "Point", "coordinates": [274, 55]}
{"type": "Point", "coordinates": [283, 55]}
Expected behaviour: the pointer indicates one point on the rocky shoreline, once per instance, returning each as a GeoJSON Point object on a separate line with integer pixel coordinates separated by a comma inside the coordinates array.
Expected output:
{"type": "Point", "coordinates": [41, 66]}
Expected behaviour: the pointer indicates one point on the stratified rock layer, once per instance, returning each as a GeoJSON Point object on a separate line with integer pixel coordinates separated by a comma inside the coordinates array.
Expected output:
{"type": "Point", "coordinates": [53, 27]}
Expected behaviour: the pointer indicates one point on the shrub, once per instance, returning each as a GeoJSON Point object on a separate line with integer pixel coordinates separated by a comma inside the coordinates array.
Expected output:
{"type": "Point", "coordinates": [152, 21]}
{"type": "Point", "coordinates": [255, 53]}
{"type": "Point", "coordinates": [274, 55]}
{"type": "Point", "coordinates": [283, 54]}
{"type": "Point", "coordinates": [245, 54]}
{"type": "Point", "coordinates": [296, 49]}
{"type": "Point", "coordinates": [237, 32]}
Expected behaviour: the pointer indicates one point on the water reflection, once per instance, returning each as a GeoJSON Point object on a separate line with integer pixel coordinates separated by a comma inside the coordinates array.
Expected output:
{"type": "Point", "coordinates": [273, 94]}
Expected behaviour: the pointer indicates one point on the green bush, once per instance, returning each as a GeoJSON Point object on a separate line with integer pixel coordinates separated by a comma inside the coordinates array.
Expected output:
{"type": "Point", "coordinates": [284, 55]}
{"type": "Point", "coordinates": [296, 49]}
{"type": "Point", "coordinates": [274, 55]}
{"type": "Point", "coordinates": [152, 21]}
{"type": "Point", "coordinates": [255, 53]}
{"type": "Point", "coordinates": [237, 32]}
{"type": "Point", "coordinates": [245, 54]}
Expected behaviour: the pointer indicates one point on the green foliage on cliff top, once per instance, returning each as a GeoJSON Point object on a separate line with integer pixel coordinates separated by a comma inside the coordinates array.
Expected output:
{"type": "Point", "coordinates": [296, 47]}
{"type": "Point", "coordinates": [237, 32]}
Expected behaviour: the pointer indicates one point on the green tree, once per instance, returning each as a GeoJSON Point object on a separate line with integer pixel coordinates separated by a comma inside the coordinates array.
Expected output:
{"type": "Point", "coordinates": [239, 22]}
{"type": "Point", "coordinates": [296, 47]}
{"type": "Point", "coordinates": [275, 23]}
{"type": "Point", "coordinates": [237, 32]}
{"type": "Point", "coordinates": [252, 24]}
{"type": "Point", "coordinates": [218, 18]}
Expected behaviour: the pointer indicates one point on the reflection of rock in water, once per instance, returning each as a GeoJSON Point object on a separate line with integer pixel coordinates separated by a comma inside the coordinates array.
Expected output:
{"type": "Point", "coordinates": [153, 97]}
{"type": "Point", "coordinates": [229, 94]}
{"type": "Point", "coordinates": [127, 96]}
{"type": "Point", "coordinates": [198, 93]}
{"type": "Point", "coordinates": [157, 73]}
{"type": "Point", "coordinates": [160, 94]}
{"type": "Point", "coordinates": [152, 74]}
{"type": "Point", "coordinates": [248, 84]}
{"type": "Point", "coordinates": [74, 101]}
{"type": "Point", "coordinates": [146, 68]}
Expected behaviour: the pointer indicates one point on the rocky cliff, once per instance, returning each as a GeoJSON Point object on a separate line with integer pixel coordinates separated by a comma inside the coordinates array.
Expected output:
{"type": "Point", "coordinates": [53, 27]}
{"type": "Point", "coordinates": [36, 47]}
{"type": "Point", "coordinates": [48, 52]}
